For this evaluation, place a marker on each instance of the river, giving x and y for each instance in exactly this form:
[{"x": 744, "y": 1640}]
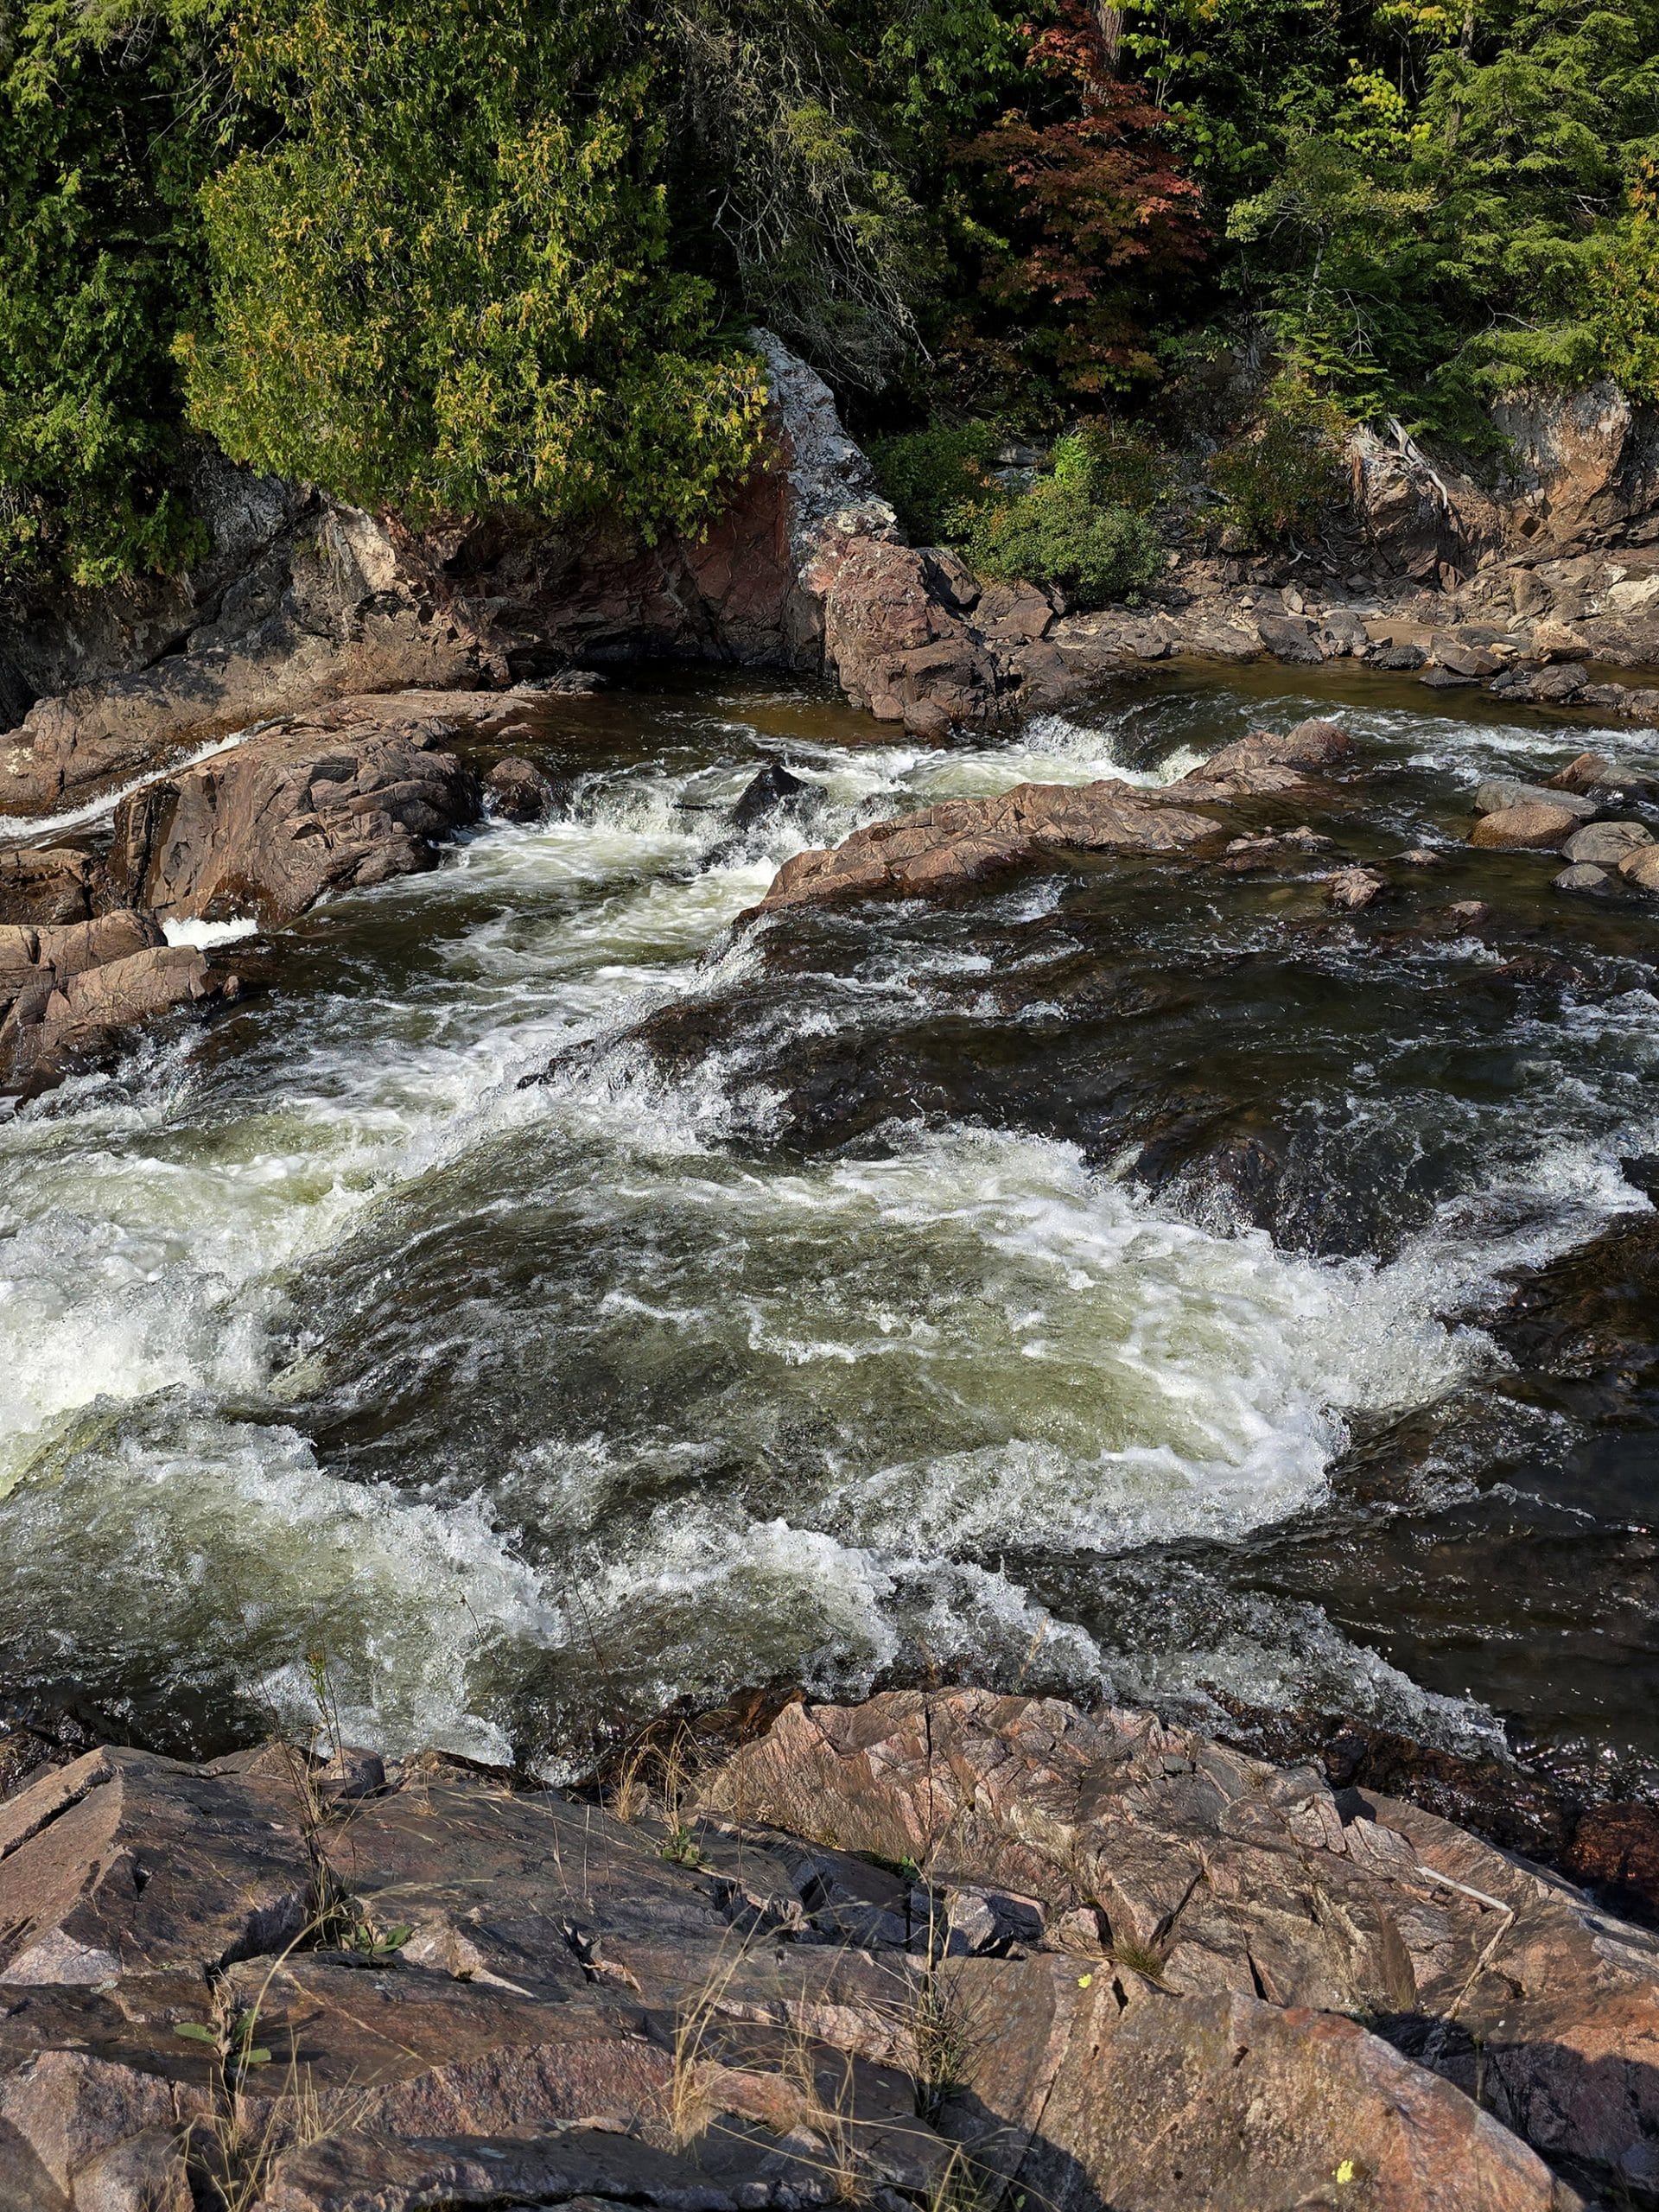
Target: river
[{"x": 1080, "y": 1286}]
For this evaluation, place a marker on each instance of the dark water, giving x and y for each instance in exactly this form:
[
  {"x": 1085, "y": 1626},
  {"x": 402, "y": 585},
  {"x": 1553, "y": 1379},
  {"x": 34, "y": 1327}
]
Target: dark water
[{"x": 1096, "y": 1282}]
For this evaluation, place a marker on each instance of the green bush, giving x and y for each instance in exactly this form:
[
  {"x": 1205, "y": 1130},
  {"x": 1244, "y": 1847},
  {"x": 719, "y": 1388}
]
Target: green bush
[
  {"x": 1126, "y": 469},
  {"x": 1277, "y": 482},
  {"x": 1059, "y": 533},
  {"x": 933, "y": 475}
]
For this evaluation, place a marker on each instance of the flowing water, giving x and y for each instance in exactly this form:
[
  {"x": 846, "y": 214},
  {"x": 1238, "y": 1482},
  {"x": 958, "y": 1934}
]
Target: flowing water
[{"x": 1082, "y": 1284}]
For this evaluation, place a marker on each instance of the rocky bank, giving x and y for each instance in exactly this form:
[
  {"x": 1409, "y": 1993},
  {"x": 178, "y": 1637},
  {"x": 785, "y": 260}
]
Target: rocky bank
[{"x": 941, "y": 1949}]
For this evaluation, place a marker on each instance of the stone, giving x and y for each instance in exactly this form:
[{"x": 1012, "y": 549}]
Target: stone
[
  {"x": 1530, "y": 828},
  {"x": 1444, "y": 679},
  {"x": 517, "y": 790},
  {"x": 351, "y": 796},
  {"x": 1312, "y": 744},
  {"x": 1593, "y": 774},
  {"x": 1236, "y": 1881},
  {"x": 1392, "y": 657},
  {"x": 774, "y": 788},
  {"x": 1421, "y": 856},
  {"x": 1466, "y": 913},
  {"x": 962, "y": 840},
  {"x": 1501, "y": 791},
  {"x": 1557, "y": 686},
  {"x": 1351, "y": 888},
  {"x": 1290, "y": 638},
  {"x": 1604, "y": 844},
  {"x": 1461, "y": 656},
  {"x": 68, "y": 993},
  {"x": 1559, "y": 641},
  {"x": 1641, "y": 869},
  {"x": 53, "y": 884},
  {"x": 895, "y": 641},
  {"x": 1582, "y": 877}
]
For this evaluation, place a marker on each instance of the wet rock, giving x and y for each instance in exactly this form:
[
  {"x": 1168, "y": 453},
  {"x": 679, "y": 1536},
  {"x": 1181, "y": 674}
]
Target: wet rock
[
  {"x": 1467, "y": 913},
  {"x": 1444, "y": 679},
  {"x": 1461, "y": 657},
  {"x": 1594, "y": 775},
  {"x": 1501, "y": 791},
  {"x": 1392, "y": 657},
  {"x": 1311, "y": 744},
  {"x": 69, "y": 994},
  {"x": 351, "y": 797},
  {"x": 1604, "y": 844},
  {"x": 53, "y": 884},
  {"x": 771, "y": 789},
  {"x": 962, "y": 840},
  {"x": 1530, "y": 828},
  {"x": 1421, "y": 856},
  {"x": 1351, "y": 888},
  {"x": 1581, "y": 878},
  {"x": 517, "y": 790},
  {"x": 1615, "y": 1850},
  {"x": 1595, "y": 1308},
  {"x": 1641, "y": 869}
]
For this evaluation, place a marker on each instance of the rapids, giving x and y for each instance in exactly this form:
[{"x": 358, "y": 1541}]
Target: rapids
[{"x": 856, "y": 1299}]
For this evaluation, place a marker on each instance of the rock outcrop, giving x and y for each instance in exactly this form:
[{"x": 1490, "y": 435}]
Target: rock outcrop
[
  {"x": 352, "y": 796},
  {"x": 65, "y": 992},
  {"x": 304, "y": 599},
  {"x": 937, "y": 1947}
]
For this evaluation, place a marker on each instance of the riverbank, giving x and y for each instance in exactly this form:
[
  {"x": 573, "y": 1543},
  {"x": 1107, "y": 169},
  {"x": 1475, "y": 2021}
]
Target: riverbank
[{"x": 941, "y": 1949}]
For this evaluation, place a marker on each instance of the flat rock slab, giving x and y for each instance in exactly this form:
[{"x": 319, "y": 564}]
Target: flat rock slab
[
  {"x": 1073, "y": 1961},
  {"x": 961, "y": 842}
]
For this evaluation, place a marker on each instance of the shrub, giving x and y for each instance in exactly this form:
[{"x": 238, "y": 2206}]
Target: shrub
[
  {"x": 1059, "y": 533},
  {"x": 1126, "y": 469},
  {"x": 932, "y": 475},
  {"x": 1277, "y": 482}
]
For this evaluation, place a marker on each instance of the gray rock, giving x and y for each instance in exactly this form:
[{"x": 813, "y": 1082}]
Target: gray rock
[
  {"x": 1603, "y": 844},
  {"x": 1290, "y": 638},
  {"x": 1385, "y": 656},
  {"x": 1581, "y": 877},
  {"x": 1499, "y": 793}
]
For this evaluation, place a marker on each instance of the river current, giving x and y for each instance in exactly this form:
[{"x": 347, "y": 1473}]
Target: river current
[{"x": 880, "y": 1294}]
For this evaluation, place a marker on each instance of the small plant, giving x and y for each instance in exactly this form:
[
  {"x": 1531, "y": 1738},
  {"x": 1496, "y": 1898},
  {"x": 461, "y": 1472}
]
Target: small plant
[
  {"x": 1276, "y": 483},
  {"x": 1140, "y": 1958},
  {"x": 930, "y": 474},
  {"x": 680, "y": 1846},
  {"x": 1059, "y": 532},
  {"x": 232, "y": 2038}
]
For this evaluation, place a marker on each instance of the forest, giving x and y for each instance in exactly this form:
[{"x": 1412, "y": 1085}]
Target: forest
[{"x": 504, "y": 254}]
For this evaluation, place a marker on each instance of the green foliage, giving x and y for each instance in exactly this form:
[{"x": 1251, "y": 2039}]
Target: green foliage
[
  {"x": 1277, "y": 481},
  {"x": 931, "y": 474},
  {"x": 1061, "y": 532},
  {"x": 1624, "y": 317},
  {"x": 443, "y": 282},
  {"x": 1126, "y": 467},
  {"x": 103, "y": 143}
]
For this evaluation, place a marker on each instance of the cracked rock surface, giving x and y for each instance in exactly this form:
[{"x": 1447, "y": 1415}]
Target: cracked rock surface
[{"x": 940, "y": 1947}]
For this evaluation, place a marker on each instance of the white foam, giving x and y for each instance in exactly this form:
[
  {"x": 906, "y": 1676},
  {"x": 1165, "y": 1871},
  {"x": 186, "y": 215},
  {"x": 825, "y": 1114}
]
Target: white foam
[{"x": 205, "y": 935}]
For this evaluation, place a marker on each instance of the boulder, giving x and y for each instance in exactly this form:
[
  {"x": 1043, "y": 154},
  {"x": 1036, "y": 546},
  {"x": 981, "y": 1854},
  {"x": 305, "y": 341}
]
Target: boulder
[
  {"x": 1290, "y": 638},
  {"x": 53, "y": 884},
  {"x": 1353, "y": 887},
  {"x": 766, "y": 792},
  {"x": 1581, "y": 877},
  {"x": 1642, "y": 868},
  {"x": 1399, "y": 657},
  {"x": 1501, "y": 791},
  {"x": 961, "y": 842},
  {"x": 69, "y": 993},
  {"x": 893, "y": 636},
  {"x": 517, "y": 790},
  {"x": 1558, "y": 641},
  {"x": 1532, "y": 827},
  {"x": 350, "y": 796},
  {"x": 1312, "y": 744},
  {"x": 1604, "y": 844}
]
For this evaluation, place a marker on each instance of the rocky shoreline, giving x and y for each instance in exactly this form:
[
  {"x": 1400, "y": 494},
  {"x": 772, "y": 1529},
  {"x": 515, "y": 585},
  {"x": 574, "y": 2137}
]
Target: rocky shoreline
[{"x": 943, "y": 1948}]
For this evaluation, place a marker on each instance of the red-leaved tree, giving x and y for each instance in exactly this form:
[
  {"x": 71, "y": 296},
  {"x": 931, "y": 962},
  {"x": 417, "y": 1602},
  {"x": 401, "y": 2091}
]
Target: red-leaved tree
[{"x": 1102, "y": 210}]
